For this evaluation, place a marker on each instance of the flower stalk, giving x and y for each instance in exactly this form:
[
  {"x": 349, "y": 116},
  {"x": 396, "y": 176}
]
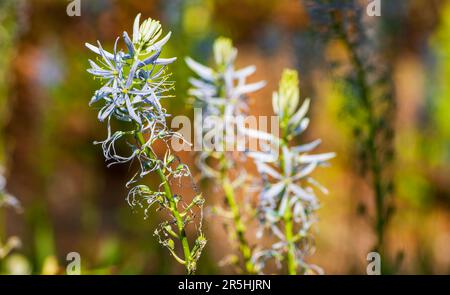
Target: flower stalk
[
  {"x": 239, "y": 226},
  {"x": 288, "y": 204},
  {"x": 134, "y": 83},
  {"x": 221, "y": 92}
]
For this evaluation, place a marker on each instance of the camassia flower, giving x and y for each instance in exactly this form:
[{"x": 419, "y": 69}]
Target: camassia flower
[
  {"x": 133, "y": 83},
  {"x": 288, "y": 204},
  {"x": 221, "y": 92}
]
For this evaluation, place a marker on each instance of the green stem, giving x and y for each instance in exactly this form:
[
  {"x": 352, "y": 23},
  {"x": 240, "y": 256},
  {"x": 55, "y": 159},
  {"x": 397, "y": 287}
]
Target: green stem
[
  {"x": 238, "y": 225},
  {"x": 287, "y": 219},
  {"x": 289, "y": 232},
  {"x": 190, "y": 267}
]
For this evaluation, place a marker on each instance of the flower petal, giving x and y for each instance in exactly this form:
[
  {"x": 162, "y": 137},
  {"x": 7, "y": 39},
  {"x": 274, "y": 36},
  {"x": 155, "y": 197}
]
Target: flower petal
[
  {"x": 204, "y": 72},
  {"x": 136, "y": 28}
]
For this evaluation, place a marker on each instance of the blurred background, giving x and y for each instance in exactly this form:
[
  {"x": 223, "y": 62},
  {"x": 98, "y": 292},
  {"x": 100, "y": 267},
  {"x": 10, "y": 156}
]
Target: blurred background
[{"x": 72, "y": 202}]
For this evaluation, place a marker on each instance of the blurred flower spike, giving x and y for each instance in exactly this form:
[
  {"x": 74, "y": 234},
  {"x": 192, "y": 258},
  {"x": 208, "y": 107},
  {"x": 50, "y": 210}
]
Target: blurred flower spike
[{"x": 221, "y": 91}]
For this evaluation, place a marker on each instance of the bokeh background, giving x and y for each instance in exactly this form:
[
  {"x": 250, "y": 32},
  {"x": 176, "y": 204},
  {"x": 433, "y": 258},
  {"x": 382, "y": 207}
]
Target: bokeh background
[{"x": 72, "y": 202}]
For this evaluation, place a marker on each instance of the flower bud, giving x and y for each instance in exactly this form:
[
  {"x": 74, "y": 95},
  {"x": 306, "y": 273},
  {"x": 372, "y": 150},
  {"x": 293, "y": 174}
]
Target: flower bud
[
  {"x": 224, "y": 52},
  {"x": 149, "y": 31},
  {"x": 285, "y": 101}
]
